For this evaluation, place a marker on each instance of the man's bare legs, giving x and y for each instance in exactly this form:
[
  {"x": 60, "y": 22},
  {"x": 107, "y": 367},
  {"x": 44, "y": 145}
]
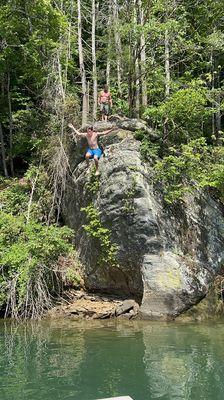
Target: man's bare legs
[
  {"x": 104, "y": 117},
  {"x": 87, "y": 157},
  {"x": 96, "y": 159}
]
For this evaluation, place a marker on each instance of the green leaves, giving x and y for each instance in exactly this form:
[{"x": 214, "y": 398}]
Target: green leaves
[
  {"x": 29, "y": 255},
  {"x": 96, "y": 230},
  {"x": 195, "y": 165},
  {"x": 31, "y": 34},
  {"x": 30, "y": 252},
  {"x": 15, "y": 195},
  {"x": 185, "y": 112}
]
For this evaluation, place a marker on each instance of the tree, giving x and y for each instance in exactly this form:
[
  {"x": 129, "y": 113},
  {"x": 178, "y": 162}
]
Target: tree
[
  {"x": 3, "y": 152},
  {"x": 117, "y": 43},
  {"x": 82, "y": 67},
  {"x": 94, "y": 59},
  {"x": 144, "y": 98}
]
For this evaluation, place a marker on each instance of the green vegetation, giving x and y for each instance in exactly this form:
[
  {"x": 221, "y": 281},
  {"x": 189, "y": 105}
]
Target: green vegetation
[
  {"x": 95, "y": 229},
  {"x": 34, "y": 256},
  {"x": 185, "y": 112},
  {"x": 93, "y": 183},
  {"x": 164, "y": 62},
  {"x": 190, "y": 166},
  {"x": 30, "y": 274},
  {"x": 15, "y": 194}
]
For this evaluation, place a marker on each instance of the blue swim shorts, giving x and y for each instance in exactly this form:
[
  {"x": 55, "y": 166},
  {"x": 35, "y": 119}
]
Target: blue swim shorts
[{"x": 95, "y": 152}]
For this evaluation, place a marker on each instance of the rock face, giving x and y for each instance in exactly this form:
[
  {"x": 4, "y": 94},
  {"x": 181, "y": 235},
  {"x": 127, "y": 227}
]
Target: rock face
[{"x": 167, "y": 256}]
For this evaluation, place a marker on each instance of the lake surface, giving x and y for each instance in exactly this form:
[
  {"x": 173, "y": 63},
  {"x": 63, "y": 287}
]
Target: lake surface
[{"x": 64, "y": 359}]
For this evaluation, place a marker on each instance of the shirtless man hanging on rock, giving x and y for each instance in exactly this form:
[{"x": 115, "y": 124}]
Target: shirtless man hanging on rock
[{"x": 93, "y": 150}]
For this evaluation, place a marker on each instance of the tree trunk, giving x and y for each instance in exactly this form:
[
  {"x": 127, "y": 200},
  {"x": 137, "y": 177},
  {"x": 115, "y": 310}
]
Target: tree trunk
[
  {"x": 117, "y": 43},
  {"x": 131, "y": 64},
  {"x": 82, "y": 67},
  {"x": 108, "y": 71},
  {"x": 68, "y": 43},
  {"x": 212, "y": 88},
  {"x": 136, "y": 58},
  {"x": 218, "y": 114},
  {"x": 3, "y": 152},
  {"x": 94, "y": 60},
  {"x": 131, "y": 78},
  {"x": 137, "y": 87},
  {"x": 167, "y": 83},
  {"x": 87, "y": 98},
  {"x": 109, "y": 48},
  {"x": 144, "y": 99},
  {"x": 60, "y": 77},
  {"x": 10, "y": 126},
  {"x": 28, "y": 19},
  {"x": 167, "y": 65}
]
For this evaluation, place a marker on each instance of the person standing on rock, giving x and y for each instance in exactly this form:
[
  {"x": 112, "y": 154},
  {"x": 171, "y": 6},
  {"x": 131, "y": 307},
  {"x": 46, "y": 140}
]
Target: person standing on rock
[
  {"x": 105, "y": 103},
  {"x": 93, "y": 151}
]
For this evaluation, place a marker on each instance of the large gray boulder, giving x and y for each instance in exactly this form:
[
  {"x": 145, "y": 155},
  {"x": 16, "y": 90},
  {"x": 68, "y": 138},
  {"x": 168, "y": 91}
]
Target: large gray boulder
[
  {"x": 128, "y": 124},
  {"x": 167, "y": 256}
]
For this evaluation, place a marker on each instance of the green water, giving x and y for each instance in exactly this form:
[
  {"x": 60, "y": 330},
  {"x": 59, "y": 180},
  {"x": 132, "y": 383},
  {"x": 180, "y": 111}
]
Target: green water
[{"x": 86, "y": 361}]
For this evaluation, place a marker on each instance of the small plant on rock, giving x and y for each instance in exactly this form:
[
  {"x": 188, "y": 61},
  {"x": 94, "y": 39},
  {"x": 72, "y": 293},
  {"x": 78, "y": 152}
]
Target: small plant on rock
[{"x": 95, "y": 229}]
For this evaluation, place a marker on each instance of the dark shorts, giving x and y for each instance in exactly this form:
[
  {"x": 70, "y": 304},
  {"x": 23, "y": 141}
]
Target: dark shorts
[
  {"x": 105, "y": 108},
  {"x": 95, "y": 152}
]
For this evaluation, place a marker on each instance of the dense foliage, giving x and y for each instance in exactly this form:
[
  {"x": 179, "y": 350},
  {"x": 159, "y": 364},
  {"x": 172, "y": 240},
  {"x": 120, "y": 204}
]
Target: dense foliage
[
  {"x": 36, "y": 259},
  {"x": 194, "y": 165},
  {"x": 29, "y": 258},
  {"x": 163, "y": 61}
]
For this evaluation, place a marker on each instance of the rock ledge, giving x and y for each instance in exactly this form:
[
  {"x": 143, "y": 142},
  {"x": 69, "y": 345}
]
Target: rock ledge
[{"x": 92, "y": 306}]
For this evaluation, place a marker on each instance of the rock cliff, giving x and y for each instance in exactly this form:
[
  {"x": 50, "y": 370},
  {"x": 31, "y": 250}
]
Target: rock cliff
[{"x": 166, "y": 256}]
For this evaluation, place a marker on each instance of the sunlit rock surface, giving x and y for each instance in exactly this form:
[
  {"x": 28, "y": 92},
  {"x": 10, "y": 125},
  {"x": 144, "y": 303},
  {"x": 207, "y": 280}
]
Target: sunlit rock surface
[{"x": 167, "y": 255}]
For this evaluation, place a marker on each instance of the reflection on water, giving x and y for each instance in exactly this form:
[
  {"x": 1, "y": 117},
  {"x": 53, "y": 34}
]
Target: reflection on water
[
  {"x": 184, "y": 362},
  {"x": 89, "y": 360}
]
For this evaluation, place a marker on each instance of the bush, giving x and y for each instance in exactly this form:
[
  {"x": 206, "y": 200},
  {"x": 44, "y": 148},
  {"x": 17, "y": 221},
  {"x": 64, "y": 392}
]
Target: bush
[
  {"x": 30, "y": 274},
  {"x": 95, "y": 229},
  {"x": 15, "y": 194},
  {"x": 185, "y": 113},
  {"x": 193, "y": 165}
]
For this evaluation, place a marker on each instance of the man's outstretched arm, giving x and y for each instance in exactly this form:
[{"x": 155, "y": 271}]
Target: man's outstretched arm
[
  {"x": 77, "y": 133},
  {"x": 106, "y": 132}
]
